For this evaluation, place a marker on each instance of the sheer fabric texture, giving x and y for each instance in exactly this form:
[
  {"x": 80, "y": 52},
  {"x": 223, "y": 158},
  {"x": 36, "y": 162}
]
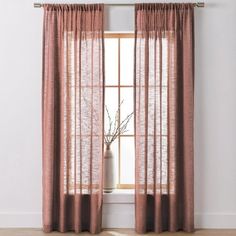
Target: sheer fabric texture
[
  {"x": 73, "y": 101},
  {"x": 164, "y": 73}
]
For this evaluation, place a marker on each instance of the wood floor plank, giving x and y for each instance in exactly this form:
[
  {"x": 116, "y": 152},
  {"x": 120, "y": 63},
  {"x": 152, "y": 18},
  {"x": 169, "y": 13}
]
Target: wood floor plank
[{"x": 115, "y": 232}]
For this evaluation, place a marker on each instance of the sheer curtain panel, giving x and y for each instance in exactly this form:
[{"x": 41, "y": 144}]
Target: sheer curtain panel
[
  {"x": 73, "y": 101},
  {"x": 164, "y": 71}
]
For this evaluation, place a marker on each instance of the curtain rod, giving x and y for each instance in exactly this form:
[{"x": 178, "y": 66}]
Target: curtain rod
[{"x": 197, "y": 4}]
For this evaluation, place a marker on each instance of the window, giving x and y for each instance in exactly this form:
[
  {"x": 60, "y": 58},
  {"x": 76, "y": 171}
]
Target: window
[{"x": 119, "y": 86}]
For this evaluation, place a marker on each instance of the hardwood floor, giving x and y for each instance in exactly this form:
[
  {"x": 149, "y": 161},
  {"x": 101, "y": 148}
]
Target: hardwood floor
[{"x": 115, "y": 232}]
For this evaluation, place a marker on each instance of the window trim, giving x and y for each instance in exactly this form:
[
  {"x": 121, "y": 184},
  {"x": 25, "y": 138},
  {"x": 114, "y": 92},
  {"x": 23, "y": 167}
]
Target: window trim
[{"x": 120, "y": 36}]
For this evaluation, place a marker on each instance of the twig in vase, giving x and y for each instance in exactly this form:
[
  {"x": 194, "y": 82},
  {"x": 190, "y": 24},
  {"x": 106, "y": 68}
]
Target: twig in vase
[{"x": 115, "y": 128}]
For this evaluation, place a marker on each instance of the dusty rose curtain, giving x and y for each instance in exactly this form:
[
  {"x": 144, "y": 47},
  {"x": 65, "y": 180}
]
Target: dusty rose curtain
[
  {"x": 73, "y": 97},
  {"x": 164, "y": 71}
]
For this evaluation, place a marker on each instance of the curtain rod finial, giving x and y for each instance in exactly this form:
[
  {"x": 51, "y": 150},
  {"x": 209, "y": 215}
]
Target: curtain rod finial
[
  {"x": 37, "y": 5},
  {"x": 200, "y": 4}
]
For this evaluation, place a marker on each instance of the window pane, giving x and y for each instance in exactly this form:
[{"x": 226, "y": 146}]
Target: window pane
[
  {"x": 126, "y": 61},
  {"x": 126, "y": 94},
  {"x": 111, "y": 61},
  {"x": 164, "y": 161},
  {"x": 164, "y": 110},
  {"x": 111, "y": 101},
  {"x": 127, "y": 172},
  {"x": 164, "y": 61}
]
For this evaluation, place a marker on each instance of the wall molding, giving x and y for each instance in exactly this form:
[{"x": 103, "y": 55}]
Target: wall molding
[{"x": 117, "y": 219}]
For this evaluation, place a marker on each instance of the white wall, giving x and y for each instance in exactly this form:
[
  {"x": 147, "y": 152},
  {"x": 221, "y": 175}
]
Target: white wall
[
  {"x": 215, "y": 115},
  {"x": 20, "y": 120}
]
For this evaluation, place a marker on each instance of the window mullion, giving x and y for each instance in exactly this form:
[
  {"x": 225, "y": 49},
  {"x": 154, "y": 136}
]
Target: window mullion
[{"x": 119, "y": 151}]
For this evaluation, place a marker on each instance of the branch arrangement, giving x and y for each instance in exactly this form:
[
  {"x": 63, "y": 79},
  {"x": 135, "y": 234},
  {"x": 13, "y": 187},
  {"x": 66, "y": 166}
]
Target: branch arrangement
[{"x": 116, "y": 128}]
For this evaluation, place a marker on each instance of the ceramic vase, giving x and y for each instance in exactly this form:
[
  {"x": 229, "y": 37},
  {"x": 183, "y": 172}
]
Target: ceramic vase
[{"x": 109, "y": 172}]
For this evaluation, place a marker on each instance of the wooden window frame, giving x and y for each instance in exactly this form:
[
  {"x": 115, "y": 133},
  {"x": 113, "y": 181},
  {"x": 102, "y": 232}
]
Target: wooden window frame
[{"x": 119, "y": 86}]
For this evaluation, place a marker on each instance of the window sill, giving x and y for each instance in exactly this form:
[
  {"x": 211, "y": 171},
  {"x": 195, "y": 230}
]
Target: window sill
[{"x": 125, "y": 196}]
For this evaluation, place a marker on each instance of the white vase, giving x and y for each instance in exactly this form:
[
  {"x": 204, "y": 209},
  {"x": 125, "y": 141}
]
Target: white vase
[{"x": 109, "y": 171}]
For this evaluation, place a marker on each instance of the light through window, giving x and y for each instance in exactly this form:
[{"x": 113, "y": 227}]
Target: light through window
[{"x": 119, "y": 86}]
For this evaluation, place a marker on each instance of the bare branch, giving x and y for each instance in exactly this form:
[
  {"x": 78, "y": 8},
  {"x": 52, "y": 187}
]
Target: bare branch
[
  {"x": 122, "y": 127},
  {"x": 110, "y": 124},
  {"x": 116, "y": 128}
]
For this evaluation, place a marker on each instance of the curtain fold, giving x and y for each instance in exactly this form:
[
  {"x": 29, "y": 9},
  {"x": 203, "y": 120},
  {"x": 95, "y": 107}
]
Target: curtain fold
[
  {"x": 164, "y": 80},
  {"x": 73, "y": 104}
]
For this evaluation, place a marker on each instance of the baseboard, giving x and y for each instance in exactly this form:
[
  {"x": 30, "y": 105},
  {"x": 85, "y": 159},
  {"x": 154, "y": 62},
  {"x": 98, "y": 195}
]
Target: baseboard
[
  {"x": 117, "y": 220},
  {"x": 215, "y": 220}
]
